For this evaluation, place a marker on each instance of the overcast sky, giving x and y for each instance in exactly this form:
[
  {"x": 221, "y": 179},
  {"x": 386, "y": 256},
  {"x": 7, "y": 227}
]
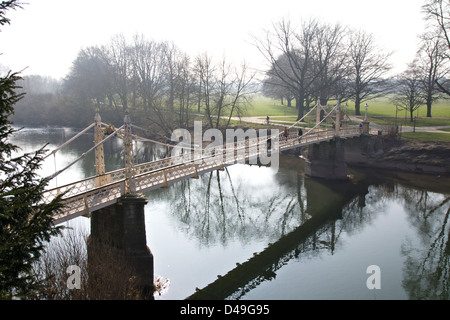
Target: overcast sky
[{"x": 46, "y": 35}]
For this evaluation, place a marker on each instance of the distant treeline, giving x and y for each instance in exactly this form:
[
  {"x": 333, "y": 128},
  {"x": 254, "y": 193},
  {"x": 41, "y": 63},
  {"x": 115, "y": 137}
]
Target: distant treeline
[
  {"x": 153, "y": 79},
  {"x": 47, "y": 104}
]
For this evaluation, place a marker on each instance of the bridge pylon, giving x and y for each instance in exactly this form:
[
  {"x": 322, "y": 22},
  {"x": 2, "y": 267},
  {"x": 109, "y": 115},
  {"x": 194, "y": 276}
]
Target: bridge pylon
[
  {"x": 338, "y": 120},
  {"x": 130, "y": 189},
  {"x": 99, "y": 153}
]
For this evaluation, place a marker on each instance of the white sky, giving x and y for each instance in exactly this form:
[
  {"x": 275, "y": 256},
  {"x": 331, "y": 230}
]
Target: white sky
[{"x": 46, "y": 36}]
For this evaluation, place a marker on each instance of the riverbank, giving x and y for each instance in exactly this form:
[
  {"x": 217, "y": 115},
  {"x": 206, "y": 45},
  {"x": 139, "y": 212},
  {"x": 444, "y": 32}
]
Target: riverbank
[
  {"x": 391, "y": 153},
  {"x": 388, "y": 152}
]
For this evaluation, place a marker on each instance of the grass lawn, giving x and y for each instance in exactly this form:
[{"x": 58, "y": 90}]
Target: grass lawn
[
  {"x": 384, "y": 107},
  {"x": 426, "y": 136},
  {"x": 262, "y": 106},
  {"x": 421, "y": 122}
]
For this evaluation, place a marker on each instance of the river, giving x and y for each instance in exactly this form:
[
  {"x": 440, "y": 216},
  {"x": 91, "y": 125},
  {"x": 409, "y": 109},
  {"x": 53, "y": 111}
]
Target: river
[{"x": 226, "y": 223}]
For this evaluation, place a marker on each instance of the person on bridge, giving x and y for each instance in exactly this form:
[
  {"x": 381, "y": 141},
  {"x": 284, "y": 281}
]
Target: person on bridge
[
  {"x": 286, "y": 133},
  {"x": 300, "y": 132}
]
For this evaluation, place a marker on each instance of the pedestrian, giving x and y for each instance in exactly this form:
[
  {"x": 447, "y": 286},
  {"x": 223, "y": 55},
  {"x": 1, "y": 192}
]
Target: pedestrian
[
  {"x": 267, "y": 119},
  {"x": 286, "y": 133},
  {"x": 300, "y": 132}
]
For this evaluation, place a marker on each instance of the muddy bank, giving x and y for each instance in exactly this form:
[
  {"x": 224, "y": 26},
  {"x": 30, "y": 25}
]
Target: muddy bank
[
  {"x": 386, "y": 152},
  {"x": 390, "y": 153}
]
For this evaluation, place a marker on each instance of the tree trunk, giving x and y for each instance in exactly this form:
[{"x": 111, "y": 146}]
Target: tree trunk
[
  {"x": 429, "y": 103},
  {"x": 357, "y": 105},
  {"x": 299, "y": 101}
]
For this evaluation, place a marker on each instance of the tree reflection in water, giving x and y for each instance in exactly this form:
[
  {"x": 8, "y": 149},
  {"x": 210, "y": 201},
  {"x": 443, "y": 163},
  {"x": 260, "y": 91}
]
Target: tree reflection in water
[
  {"x": 218, "y": 208},
  {"x": 427, "y": 270}
]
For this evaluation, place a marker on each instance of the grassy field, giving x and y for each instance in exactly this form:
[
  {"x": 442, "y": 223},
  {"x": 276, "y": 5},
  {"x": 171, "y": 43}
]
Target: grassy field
[
  {"x": 383, "y": 107},
  {"x": 420, "y": 122},
  {"x": 262, "y": 106},
  {"x": 380, "y": 111}
]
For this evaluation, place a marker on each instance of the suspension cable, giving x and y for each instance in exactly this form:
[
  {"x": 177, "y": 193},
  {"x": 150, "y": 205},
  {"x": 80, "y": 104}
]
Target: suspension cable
[
  {"x": 304, "y": 115},
  {"x": 84, "y": 154},
  {"x": 324, "y": 118},
  {"x": 69, "y": 141}
]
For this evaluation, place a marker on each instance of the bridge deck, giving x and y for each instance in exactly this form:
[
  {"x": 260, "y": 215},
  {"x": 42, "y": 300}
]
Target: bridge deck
[{"x": 94, "y": 193}]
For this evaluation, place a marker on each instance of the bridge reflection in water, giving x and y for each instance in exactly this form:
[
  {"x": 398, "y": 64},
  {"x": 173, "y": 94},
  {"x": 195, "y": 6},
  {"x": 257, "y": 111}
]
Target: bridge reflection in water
[
  {"x": 303, "y": 226},
  {"x": 319, "y": 217}
]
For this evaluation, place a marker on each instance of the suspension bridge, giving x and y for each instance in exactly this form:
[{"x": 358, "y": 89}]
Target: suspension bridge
[{"x": 105, "y": 188}]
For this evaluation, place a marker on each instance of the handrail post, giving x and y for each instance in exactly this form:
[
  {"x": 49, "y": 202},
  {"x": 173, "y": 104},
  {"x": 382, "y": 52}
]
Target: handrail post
[{"x": 130, "y": 189}]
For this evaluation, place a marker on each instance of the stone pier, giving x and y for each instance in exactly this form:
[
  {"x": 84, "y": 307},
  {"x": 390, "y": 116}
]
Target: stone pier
[
  {"x": 119, "y": 232},
  {"x": 326, "y": 160}
]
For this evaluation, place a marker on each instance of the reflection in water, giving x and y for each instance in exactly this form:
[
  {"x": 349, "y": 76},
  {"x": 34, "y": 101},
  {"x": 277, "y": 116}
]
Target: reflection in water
[
  {"x": 246, "y": 205},
  {"x": 427, "y": 269},
  {"x": 312, "y": 238}
]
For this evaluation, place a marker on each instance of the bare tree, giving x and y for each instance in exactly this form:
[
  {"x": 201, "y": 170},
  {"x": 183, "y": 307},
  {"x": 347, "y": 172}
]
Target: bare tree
[
  {"x": 180, "y": 84},
  {"x": 241, "y": 93},
  {"x": 330, "y": 61},
  {"x": 225, "y": 89},
  {"x": 149, "y": 64},
  {"x": 204, "y": 71},
  {"x": 184, "y": 89},
  {"x": 438, "y": 13},
  {"x": 410, "y": 95},
  {"x": 290, "y": 56},
  {"x": 90, "y": 76},
  {"x": 118, "y": 55},
  {"x": 309, "y": 62},
  {"x": 368, "y": 64},
  {"x": 273, "y": 87},
  {"x": 431, "y": 65}
]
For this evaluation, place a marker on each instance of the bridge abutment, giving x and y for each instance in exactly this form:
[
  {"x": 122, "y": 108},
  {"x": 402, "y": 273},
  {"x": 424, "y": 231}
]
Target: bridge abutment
[
  {"x": 118, "y": 235},
  {"x": 326, "y": 160}
]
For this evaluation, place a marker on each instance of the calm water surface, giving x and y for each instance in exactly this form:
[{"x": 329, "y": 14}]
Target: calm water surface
[{"x": 317, "y": 238}]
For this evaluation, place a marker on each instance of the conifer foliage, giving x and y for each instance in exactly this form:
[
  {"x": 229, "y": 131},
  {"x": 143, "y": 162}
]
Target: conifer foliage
[{"x": 26, "y": 223}]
